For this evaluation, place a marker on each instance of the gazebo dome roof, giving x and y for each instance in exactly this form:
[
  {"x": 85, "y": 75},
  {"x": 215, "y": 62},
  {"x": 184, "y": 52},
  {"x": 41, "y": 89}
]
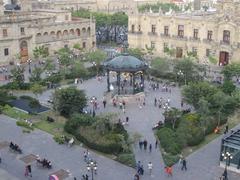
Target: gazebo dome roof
[{"x": 125, "y": 63}]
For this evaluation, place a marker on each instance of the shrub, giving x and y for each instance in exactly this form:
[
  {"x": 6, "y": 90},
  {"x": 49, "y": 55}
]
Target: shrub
[
  {"x": 82, "y": 119},
  {"x": 168, "y": 140},
  {"x": 170, "y": 159},
  {"x": 59, "y": 139},
  {"x": 24, "y": 124},
  {"x": 127, "y": 159}
]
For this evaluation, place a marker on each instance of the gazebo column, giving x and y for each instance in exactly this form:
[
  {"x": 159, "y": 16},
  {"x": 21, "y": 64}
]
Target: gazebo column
[
  {"x": 131, "y": 79},
  {"x": 118, "y": 82},
  {"x": 133, "y": 82},
  {"x": 108, "y": 81}
]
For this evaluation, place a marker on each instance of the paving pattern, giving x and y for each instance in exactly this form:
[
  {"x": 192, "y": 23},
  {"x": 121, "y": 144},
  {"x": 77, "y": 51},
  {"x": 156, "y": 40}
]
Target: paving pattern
[{"x": 202, "y": 165}]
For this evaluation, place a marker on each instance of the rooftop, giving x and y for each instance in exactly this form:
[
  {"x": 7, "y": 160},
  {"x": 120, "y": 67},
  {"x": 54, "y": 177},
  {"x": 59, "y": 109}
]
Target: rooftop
[{"x": 233, "y": 140}]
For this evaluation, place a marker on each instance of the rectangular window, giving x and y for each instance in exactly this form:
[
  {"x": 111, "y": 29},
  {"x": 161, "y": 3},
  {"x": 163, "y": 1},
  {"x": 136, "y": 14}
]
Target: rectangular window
[
  {"x": 180, "y": 31},
  {"x": 226, "y": 36},
  {"x": 5, "y": 33},
  {"x": 22, "y": 30},
  {"x": 66, "y": 17},
  {"x": 165, "y": 47},
  {"x": 208, "y": 52},
  {"x": 209, "y": 35},
  {"x": 195, "y": 33},
  {"x": 133, "y": 28},
  {"x": 139, "y": 28},
  {"x": 194, "y": 51},
  {"x": 166, "y": 28},
  {"x": 153, "y": 44},
  {"x": 6, "y": 52},
  {"x": 153, "y": 29}
]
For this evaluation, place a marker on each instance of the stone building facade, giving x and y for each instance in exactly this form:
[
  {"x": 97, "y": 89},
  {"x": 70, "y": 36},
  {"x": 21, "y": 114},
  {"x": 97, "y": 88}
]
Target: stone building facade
[
  {"x": 206, "y": 34},
  {"x": 22, "y": 31}
]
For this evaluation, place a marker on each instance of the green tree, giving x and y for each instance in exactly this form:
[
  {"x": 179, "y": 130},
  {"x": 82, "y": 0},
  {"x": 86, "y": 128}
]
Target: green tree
[
  {"x": 96, "y": 57},
  {"x": 69, "y": 100},
  {"x": 203, "y": 110},
  {"x": 40, "y": 52},
  {"x": 231, "y": 70},
  {"x": 138, "y": 53},
  {"x": 228, "y": 87},
  {"x": 36, "y": 89},
  {"x": 64, "y": 56},
  {"x": 160, "y": 65},
  {"x": 187, "y": 71},
  {"x": 36, "y": 74},
  {"x": 172, "y": 117},
  {"x": 17, "y": 75},
  {"x": 195, "y": 91}
]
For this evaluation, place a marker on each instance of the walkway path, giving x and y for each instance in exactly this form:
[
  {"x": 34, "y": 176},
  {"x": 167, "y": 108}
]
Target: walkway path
[
  {"x": 203, "y": 164},
  {"x": 41, "y": 143}
]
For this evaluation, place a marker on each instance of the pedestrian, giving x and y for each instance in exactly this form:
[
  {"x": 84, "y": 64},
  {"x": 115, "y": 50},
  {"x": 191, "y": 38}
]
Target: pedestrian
[
  {"x": 180, "y": 160},
  {"x": 141, "y": 170},
  {"x": 76, "y": 178},
  {"x": 182, "y": 103},
  {"x": 226, "y": 129},
  {"x": 138, "y": 165},
  {"x": 184, "y": 164},
  {"x": 170, "y": 171},
  {"x": 85, "y": 156},
  {"x": 26, "y": 171},
  {"x": 150, "y": 167},
  {"x": 155, "y": 102},
  {"x": 136, "y": 177},
  {"x": 29, "y": 170},
  {"x": 156, "y": 144},
  {"x": 145, "y": 144},
  {"x": 86, "y": 177},
  {"x": 127, "y": 119},
  {"x": 104, "y": 103},
  {"x": 150, "y": 148},
  {"x": 140, "y": 145}
]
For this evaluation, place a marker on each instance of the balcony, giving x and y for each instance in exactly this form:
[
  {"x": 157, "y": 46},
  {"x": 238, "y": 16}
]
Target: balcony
[
  {"x": 226, "y": 43},
  {"x": 165, "y": 35},
  {"x": 194, "y": 39},
  {"x": 152, "y": 34},
  {"x": 183, "y": 38}
]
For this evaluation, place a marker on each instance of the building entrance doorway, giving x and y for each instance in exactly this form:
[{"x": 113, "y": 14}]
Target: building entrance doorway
[
  {"x": 179, "y": 52},
  {"x": 23, "y": 52},
  {"x": 223, "y": 58}
]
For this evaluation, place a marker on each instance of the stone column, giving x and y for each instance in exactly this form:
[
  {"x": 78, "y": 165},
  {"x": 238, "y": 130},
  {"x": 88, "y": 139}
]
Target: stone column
[
  {"x": 133, "y": 77},
  {"x": 118, "y": 82}
]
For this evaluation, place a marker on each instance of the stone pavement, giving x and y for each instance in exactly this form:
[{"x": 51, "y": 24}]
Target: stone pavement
[
  {"x": 202, "y": 165},
  {"x": 62, "y": 157}
]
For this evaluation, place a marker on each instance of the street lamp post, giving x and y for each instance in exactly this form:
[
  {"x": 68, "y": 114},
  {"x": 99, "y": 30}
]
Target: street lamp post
[
  {"x": 29, "y": 65},
  {"x": 92, "y": 165},
  {"x": 180, "y": 73},
  {"x": 227, "y": 157}
]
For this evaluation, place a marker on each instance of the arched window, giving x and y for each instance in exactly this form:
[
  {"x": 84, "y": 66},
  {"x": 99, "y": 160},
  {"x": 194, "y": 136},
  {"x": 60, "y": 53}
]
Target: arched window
[
  {"x": 71, "y": 31},
  {"x": 78, "y": 32},
  {"x": 89, "y": 31},
  {"x": 65, "y": 33},
  {"x": 83, "y": 30},
  {"x": 59, "y": 34},
  {"x": 45, "y": 34},
  {"x": 226, "y": 36},
  {"x": 38, "y": 34},
  {"x": 84, "y": 45},
  {"x": 52, "y": 33}
]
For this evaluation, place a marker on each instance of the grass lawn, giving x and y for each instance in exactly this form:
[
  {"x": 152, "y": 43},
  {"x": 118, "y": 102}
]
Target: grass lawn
[{"x": 15, "y": 113}]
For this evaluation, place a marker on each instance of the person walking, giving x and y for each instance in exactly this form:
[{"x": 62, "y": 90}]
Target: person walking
[
  {"x": 155, "y": 102},
  {"x": 145, "y": 144},
  {"x": 140, "y": 144},
  {"x": 150, "y": 148},
  {"x": 170, "y": 171},
  {"x": 127, "y": 120},
  {"x": 86, "y": 177},
  {"x": 184, "y": 164},
  {"x": 156, "y": 144},
  {"x": 104, "y": 103},
  {"x": 150, "y": 167}
]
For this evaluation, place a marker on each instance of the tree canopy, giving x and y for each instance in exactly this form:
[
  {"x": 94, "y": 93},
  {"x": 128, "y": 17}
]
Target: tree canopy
[{"x": 69, "y": 100}]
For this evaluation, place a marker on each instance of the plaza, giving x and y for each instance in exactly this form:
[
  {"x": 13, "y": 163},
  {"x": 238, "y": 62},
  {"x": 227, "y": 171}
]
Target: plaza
[{"x": 203, "y": 164}]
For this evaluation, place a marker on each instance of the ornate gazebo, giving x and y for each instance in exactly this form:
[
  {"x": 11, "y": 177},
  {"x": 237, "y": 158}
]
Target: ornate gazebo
[{"x": 131, "y": 67}]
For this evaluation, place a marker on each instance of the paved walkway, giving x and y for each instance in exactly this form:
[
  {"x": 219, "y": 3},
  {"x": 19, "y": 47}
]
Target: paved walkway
[
  {"x": 62, "y": 157},
  {"x": 203, "y": 164}
]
